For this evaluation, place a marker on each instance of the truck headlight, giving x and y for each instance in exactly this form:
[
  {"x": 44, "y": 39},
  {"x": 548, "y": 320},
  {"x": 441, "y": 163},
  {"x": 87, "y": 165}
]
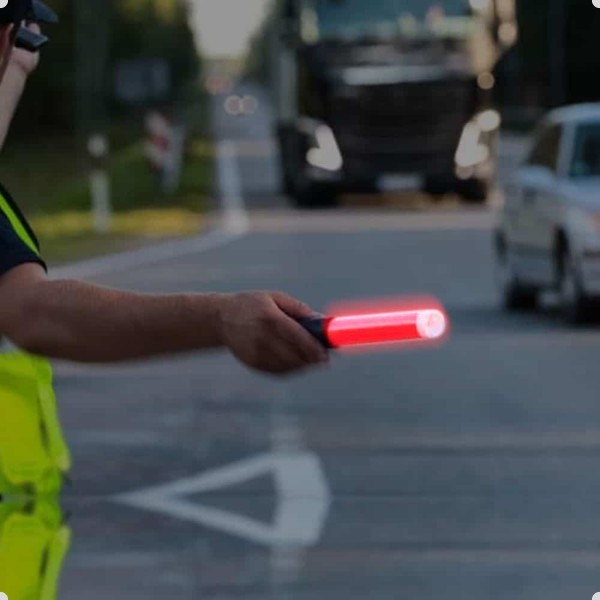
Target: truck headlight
[
  {"x": 324, "y": 152},
  {"x": 475, "y": 141}
]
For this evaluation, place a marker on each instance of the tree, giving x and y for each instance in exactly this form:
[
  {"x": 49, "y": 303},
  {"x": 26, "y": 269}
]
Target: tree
[{"x": 133, "y": 28}]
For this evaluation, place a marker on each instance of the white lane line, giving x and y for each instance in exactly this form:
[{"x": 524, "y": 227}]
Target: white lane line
[
  {"x": 144, "y": 256},
  {"x": 302, "y": 495},
  {"x": 234, "y": 214},
  {"x": 235, "y": 223}
]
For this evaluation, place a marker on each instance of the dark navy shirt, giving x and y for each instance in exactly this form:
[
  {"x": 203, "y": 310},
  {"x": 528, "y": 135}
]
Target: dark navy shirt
[{"x": 14, "y": 251}]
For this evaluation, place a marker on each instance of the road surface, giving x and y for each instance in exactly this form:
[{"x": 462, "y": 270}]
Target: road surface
[{"x": 471, "y": 471}]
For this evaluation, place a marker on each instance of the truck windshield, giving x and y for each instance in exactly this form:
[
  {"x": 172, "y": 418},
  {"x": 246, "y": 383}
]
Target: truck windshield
[{"x": 335, "y": 18}]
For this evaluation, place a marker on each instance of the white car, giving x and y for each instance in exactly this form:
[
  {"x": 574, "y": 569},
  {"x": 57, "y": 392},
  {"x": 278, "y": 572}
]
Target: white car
[{"x": 548, "y": 237}]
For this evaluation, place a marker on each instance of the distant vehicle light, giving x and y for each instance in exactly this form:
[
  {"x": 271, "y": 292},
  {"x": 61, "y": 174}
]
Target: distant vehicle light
[
  {"x": 234, "y": 106},
  {"x": 217, "y": 85},
  {"x": 486, "y": 81}
]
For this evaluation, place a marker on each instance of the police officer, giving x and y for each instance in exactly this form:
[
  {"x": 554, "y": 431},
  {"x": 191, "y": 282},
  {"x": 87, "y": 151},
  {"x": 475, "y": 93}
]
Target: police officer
[{"x": 81, "y": 322}]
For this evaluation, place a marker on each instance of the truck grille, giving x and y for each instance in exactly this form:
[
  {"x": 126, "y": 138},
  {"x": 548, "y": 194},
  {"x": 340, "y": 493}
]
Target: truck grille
[{"x": 408, "y": 127}]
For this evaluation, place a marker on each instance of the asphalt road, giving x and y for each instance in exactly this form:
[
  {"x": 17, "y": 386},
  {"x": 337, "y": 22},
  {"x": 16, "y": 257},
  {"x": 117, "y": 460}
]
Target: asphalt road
[{"x": 470, "y": 471}]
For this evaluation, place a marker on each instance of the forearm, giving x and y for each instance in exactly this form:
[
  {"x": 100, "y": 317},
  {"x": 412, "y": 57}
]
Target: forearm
[
  {"x": 86, "y": 323},
  {"x": 11, "y": 90}
]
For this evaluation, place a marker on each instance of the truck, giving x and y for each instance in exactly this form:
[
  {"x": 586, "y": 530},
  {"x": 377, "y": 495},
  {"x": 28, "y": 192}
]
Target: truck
[{"x": 387, "y": 94}]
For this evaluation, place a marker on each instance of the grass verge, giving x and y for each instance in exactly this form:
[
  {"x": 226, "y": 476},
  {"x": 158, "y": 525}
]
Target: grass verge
[{"x": 57, "y": 201}]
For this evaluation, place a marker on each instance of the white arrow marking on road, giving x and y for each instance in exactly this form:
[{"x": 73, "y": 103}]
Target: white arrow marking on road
[{"x": 303, "y": 499}]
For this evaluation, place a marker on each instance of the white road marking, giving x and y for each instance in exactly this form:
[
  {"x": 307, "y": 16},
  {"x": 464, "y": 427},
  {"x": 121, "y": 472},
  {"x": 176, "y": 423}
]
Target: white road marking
[
  {"x": 303, "y": 499},
  {"x": 234, "y": 214},
  {"x": 144, "y": 256},
  {"x": 235, "y": 224}
]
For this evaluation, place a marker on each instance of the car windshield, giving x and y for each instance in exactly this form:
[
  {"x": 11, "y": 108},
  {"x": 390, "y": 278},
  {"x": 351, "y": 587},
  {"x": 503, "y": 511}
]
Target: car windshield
[
  {"x": 333, "y": 18},
  {"x": 586, "y": 157}
]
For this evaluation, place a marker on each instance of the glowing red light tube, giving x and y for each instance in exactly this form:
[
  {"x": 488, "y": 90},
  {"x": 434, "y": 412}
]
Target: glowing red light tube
[{"x": 387, "y": 327}]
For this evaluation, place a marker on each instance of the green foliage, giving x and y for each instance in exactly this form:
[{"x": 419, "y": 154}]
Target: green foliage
[
  {"x": 577, "y": 34},
  {"x": 135, "y": 29}
]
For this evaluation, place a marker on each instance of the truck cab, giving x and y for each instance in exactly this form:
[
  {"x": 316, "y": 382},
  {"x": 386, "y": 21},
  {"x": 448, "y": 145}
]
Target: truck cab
[{"x": 388, "y": 94}]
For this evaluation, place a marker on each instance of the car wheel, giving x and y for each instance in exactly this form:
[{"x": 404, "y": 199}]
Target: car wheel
[
  {"x": 437, "y": 186},
  {"x": 574, "y": 304},
  {"x": 513, "y": 295},
  {"x": 309, "y": 194}
]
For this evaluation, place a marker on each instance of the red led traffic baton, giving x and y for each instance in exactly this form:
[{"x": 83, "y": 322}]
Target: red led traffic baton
[{"x": 386, "y": 327}]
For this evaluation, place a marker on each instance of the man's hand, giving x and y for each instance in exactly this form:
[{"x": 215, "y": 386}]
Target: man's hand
[
  {"x": 23, "y": 62},
  {"x": 19, "y": 67},
  {"x": 261, "y": 330}
]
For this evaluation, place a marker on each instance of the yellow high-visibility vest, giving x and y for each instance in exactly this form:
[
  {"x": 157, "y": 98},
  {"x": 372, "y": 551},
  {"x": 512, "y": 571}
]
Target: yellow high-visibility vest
[
  {"x": 34, "y": 542},
  {"x": 33, "y": 454}
]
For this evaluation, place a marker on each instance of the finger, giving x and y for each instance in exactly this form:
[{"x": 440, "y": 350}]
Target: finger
[
  {"x": 297, "y": 337},
  {"x": 292, "y": 307}
]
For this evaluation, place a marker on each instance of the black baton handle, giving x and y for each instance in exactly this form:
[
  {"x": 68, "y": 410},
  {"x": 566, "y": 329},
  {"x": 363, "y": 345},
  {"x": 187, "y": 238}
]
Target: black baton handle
[
  {"x": 317, "y": 327},
  {"x": 30, "y": 41},
  {"x": 39, "y": 13}
]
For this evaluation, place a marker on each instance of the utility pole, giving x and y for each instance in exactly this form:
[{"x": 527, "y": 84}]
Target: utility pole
[{"x": 557, "y": 51}]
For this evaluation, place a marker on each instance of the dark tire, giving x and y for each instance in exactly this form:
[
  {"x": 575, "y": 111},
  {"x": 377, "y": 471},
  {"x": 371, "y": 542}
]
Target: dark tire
[
  {"x": 473, "y": 191},
  {"x": 575, "y": 305},
  {"x": 304, "y": 192},
  {"x": 514, "y": 296},
  {"x": 437, "y": 186},
  {"x": 310, "y": 194},
  {"x": 313, "y": 195}
]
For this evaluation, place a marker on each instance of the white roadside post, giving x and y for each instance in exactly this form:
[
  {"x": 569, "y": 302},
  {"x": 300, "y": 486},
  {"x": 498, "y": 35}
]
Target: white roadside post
[
  {"x": 234, "y": 216},
  {"x": 100, "y": 184},
  {"x": 174, "y": 159}
]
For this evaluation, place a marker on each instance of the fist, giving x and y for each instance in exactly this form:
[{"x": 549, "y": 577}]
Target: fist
[
  {"x": 261, "y": 331},
  {"x": 23, "y": 61}
]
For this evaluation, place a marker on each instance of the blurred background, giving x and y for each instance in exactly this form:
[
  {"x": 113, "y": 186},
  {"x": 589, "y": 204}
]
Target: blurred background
[
  {"x": 138, "y": 73},
  {"x": 339, "y": 150}
]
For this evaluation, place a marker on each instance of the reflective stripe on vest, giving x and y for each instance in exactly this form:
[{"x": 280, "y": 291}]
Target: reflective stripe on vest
[{"x": 33, "y": 453}]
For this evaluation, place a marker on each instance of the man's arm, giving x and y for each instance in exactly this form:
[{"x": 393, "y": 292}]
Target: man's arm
[{"x": 86, "y": 323}]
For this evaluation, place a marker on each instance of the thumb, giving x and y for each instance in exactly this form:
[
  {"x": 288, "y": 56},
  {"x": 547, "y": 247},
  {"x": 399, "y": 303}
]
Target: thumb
[{"x": 292, "y": 307}]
